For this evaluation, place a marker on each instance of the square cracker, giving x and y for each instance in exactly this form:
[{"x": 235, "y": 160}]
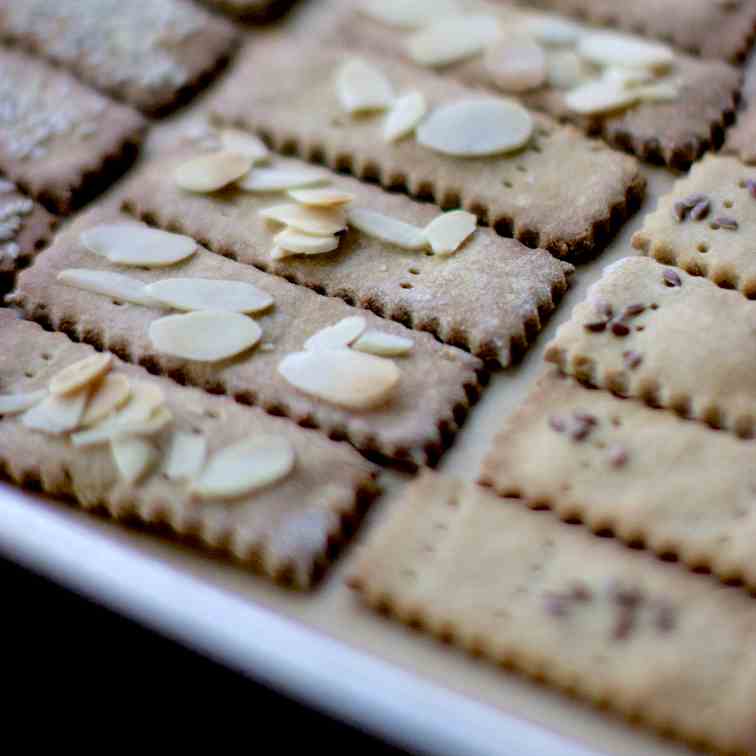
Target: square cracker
[
  {"x": 491, "y": 296},
  {"x": 286, "y": 531},
  {"x": 415, "y": 424},
  {"x": 696, "y": 343},
  {"x": 704, "y": 248},
  {"x": 645, "y": 474},
  {"x": 617, "y": 627},
  {"x": 285, "y": 91},
  {"x": 60, "y": 141},
  {"x": 151, "y": 54}
]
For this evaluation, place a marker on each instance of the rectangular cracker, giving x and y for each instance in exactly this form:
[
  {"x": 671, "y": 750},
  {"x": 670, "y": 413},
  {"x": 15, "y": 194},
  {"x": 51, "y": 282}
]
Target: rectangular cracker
[
  {"x": 741, "y": 138},
  {"x": 703, "y": 247},
  {"x": 695, "y": 341},
  {"x": 152, "y": 55},
  {"x": 285, "y": 91},
  {"x": 646, "y": 475},
  {"x": 710, "y": 29},
  {"x": 491, "y": 296},
  {"x": 60, "y": 141},
  {"x": 675, "y": 133},
  {"x": 414, "y": 425},
  {"x": 286, "y": 531},
  {"x": 615, "y": 626}
]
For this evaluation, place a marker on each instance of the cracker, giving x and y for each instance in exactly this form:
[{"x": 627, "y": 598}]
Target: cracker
[
  {"x": 722, "y": 30},
  {"x": 287, "y": 95},
  {"x": 697, "y": 347},
  {"x": 490, "y": 297},
  {"x": 60, "y": 141},
  {"x": 703, "y": 247},
  {"x": 615, "y": 626},
  {"x": 152, "y": 55},
  {"x": 646, "y": 475},
  {"x": 286, "y": 531},
  {"x": 741, "y": 138},
  {"x": 414, "y": 425}
]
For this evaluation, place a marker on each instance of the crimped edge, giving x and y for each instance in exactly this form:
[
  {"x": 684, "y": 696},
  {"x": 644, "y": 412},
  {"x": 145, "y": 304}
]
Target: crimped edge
[{"x": 262, "y": 13}]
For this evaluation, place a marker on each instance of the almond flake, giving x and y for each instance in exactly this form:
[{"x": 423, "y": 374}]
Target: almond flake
[
  {"x": 361, "y": 86},
  {"x": 553, "y": 30},
  {"x": 516, "y": 64},
  {"x": 321, "y": 197},
  {"x": 209, "y": 294},
  {"x": 404, "y": 116},
  {"x": 566, "y": 69},
  {"x": 112, "y": 392},
  {"x": 135, "y": 244},
  {"x": 339, "y": 335},
  {"x": 447, "y": 232},
  {"x": 80, "y": 374},
  {"x": 383, "y": 344},
  {"x": 244, "y": 143},
  {"x": 211, "y": 172},
  {"x": 207, "y": 336},
  {"x": 291, "y": 242},
  {"x": 12, "y": 404},
  {"x": 409, "y": 15},
  {"x": 281, "y": 179},
  {"x": 451, "y": 39},
  {"x": 341, "y": 376},
  {"x": 319, "y": 221},
  {"x": 613, "y": 49},
  {"x": 628, "y": 77},
  {"x": 476, "y": 128},
  {"x": 245, "y": 467},
  {"x": 117, "y": 286},
  {"x": 121, "y": 427},
  {"x": 600, "y": 97},
  {"x": 160, "y": 419},
  {"x": 387, "y": 229},
  {"x": 662, "y": 91},
  {"x": 186, "y": 455},
  {"x": 56, "y": 414},
  {"x": 133, "y": 457}
]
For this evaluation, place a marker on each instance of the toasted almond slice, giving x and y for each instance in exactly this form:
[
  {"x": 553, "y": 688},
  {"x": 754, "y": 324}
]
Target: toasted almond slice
[
  {"x": 119, "y": 427},
  {"x": 245, "y": 467},
  {"x": 516, "y": 63},
  {"x": 213, "y": 171},
  {"x": 115, "y": 285},
  {"x": 111, "y": 393},
  {"x": 12, "y": 404},
  {"x": 321, "y": 197},
  {"x": 476, "y": 128},
  {"x": 339, "y": 335},
  {"x": 404, "y": 116},
  {"x": 628, "y": 77},
  {"x": 387, "y": 229},
  {"x": 281, "y": 179},
  {"x": 662, "y": 91},
  {"x": 56, "y": 414},
  {"x": 320, "y": 221},
  {"x": 609, "y": 48},
  {"x": 451, "y": 39},
  {"x": 409, "y": 15},
  {"x": 134, "y": 244},
  {"x": 297, "y": 243},
  {"x": 566, "y": 69},
  {"x": 361, "y": 86},
  {"x": 383, "y": 344},
  {"x": 186, "y": 455},
  {"x": 80, "y": 374},
  {"x": 207, "y": 336},
  {"x": 448, "y": 231},
  {"x": 133, "y": 457},
  {"x": 209, "y": 294},
  {"x": 553, "y": 31},
  {"x": 341, "y": 376},
  {"x": 244, "y": 143},
  {"x": 600, "y": 97}
]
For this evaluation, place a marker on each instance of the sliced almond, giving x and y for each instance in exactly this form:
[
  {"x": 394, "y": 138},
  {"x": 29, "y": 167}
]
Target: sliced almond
[
  {"x": 80, "y": 374},
  {"x": 341, "y": 376},
  {"x": 135, "y": 244},
  {"x": 207, "y": 336},
  {"x": 628, "y": 77},
  {"x": 208, "y": 173},
  {"x": 321, "y": 197},
  {"x": 133, "y": 457},
  {"x": 447, "y": 232},
  {"x": 281, "y": 179},
  {"x": 476, "y": 128},
  {"x": 186, "y": 455},
  {"x": 245, "y": 467},
  {"x": 608, "y": 48},
  {"x": 451, "y": 39},
  {"x": 111, "y": 393},
  {"x": 56, "y": 414},
  {"x": 409, "y": 15},
  {"x": 209, "y": 294},
  {"x": 244, "y": 143},
  {"x": 383, "y": 344},
  {"x": 12, "y": 404},
  {"x": 600, "y": 97},
  {"x": 339, "y": 335},
  {"x": 566, "y": 69},
  {"x": 662, "y": 91},
  {"x": 120, "y": 427},
  {"x": 291, "y": 242},
  {"x": 404, "y": 116},
  {"x": 553, "y": 30},
  {"x": 387, "y": 229},
  {"x": 320, "y": 221},
  {"x": 516, "y": 63},
  {"x": 115, "y": 285},
  {"x": 360, "y": 86}
]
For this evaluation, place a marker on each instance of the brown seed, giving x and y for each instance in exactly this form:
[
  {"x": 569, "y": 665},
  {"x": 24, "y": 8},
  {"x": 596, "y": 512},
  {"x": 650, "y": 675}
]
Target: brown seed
[
  {"x": 556, "y": 604},
  {"x": 727, "y": 223},
  {"x": 680, "y": 210},
  {"x": 751, "y": 186},
  {"x": 694, "y": 199},
  {"x": 581, "y": 592},
  {"x": 619, "y": 328},
  {"x": 700, "y": 211},
  {"x": 666, "y": 618},
  {"x": 625, "y": 623},
  {"x": 618, "y": 456},
  {"x": 632, "y": 311},
  {"x": 586, "y": 418},
  {"x": 632, "y": 359},
  {"x": 596, "y": 326},
  {"x": 626, "y": 596},
  {"x": 671, "y": 277},
  {"x": 557, "y": 423}
]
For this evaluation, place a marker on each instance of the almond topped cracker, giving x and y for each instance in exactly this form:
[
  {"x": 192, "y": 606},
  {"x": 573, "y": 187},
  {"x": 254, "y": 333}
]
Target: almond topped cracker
[{"x": 617, "y": 627}]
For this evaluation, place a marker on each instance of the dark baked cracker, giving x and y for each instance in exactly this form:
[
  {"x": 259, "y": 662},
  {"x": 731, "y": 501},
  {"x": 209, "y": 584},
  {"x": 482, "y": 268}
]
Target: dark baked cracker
[
  {"x": 60, "y": 141},
  {"x": 285, "y": 91},
  {"x": 153, "y": 55},
  {"x": 414, "y": 425},
  {"x": 615, "y": 626},
  {"x": 288, "y": 531},
  {"x": 490, "y": 297}
]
